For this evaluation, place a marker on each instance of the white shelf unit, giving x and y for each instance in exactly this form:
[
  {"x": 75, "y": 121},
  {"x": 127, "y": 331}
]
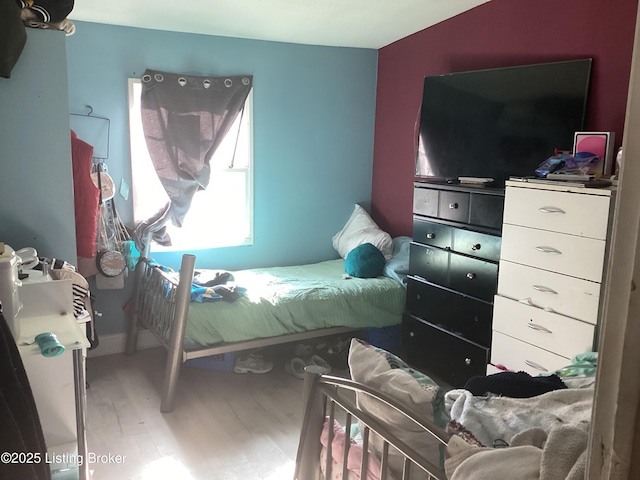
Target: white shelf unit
[{"x": 58, "y": 383}]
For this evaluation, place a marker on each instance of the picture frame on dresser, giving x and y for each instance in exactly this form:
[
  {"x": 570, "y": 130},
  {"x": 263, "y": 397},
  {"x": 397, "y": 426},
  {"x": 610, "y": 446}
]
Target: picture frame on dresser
[{"x": 598, "y": 143}]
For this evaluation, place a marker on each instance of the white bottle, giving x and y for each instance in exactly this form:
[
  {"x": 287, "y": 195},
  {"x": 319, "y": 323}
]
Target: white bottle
[{"x": 9, "y": 284}]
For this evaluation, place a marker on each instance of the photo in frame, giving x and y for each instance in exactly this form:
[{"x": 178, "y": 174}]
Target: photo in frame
[{"x": 598, "y": 143}]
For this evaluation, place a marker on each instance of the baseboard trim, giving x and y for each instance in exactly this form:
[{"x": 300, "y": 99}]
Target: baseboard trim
[{"x": 115, "y": 343}]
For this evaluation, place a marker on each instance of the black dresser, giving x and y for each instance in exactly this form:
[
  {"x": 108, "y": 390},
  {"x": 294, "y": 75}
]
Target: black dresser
[{"x": 453, "y": 277}]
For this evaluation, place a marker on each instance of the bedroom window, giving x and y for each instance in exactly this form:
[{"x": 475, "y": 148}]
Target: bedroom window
[{"x": 221, "y": 215}]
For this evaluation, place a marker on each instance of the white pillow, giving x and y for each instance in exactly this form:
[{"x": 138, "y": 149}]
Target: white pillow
[
  {"x": 359, "y": 229},
  {"x": 387, "y": 373}
]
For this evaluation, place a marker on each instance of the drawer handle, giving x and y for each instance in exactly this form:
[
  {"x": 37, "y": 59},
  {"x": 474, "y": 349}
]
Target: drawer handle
[
  {"x": 543, "y": 289},
  {"x": 453, "y": 205},
  {"x": 431, "y": 235},
  {"x": 545, "y": 249},
  {"x": 539, "y": 328},
  {"x": 477, "y": 246},
  {"x": 412, "y": 334},
  {"x": 536, "y": 366},
  {"x": 467, "y": 361},
  {"x": 552, "y": 210},
  {"x": 471, "y": 276}
]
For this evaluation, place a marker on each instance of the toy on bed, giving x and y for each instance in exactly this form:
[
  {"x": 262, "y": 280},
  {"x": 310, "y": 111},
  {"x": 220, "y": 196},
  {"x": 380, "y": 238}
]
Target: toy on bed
[
  {"x": 408, "y": 428},
  {"x": 276, "y": 304}
]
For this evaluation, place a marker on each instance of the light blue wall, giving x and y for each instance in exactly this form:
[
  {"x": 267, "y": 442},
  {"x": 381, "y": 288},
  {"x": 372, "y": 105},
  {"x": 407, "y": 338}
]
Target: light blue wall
[
  {"x": 314, "y": 111},
  {"x": 36, "y": 183}
]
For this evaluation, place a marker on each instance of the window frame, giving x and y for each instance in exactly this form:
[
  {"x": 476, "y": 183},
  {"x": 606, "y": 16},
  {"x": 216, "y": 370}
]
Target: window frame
[{"x": 248, "y": 170}]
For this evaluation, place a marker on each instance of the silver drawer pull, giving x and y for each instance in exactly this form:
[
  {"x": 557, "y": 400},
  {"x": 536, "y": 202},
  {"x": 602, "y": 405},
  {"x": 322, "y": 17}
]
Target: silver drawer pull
[
  {"x": 453, "y": 205},
  {"x": 476, "y": 246},
  {"x": 539, "y": 328},
  {"x": 545, "y": 249},
  {"x": 543, "y": 289},
  {"x": 536, "y": 366},
  {"x": 471, "y": 276},
  {"x": 552, "y": 210},
  {"x": 467, "y": 361},
  {"x": 431, "y": 235}
]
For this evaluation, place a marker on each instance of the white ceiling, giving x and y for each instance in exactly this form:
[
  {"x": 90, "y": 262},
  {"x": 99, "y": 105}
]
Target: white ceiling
[{"x": 349, "y": 23}]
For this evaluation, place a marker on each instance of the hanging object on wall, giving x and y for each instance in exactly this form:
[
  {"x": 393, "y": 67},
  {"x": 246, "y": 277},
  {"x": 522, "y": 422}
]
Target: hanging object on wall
[
  {"x": 47, "y": 14},
  {"x": 112, "y": 235},
  {"x": 13, "y": 36}
]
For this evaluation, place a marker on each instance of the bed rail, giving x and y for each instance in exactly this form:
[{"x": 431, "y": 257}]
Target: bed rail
[
  {"x": 161, "y": 304},
  {"x": 328, "y": 397}
]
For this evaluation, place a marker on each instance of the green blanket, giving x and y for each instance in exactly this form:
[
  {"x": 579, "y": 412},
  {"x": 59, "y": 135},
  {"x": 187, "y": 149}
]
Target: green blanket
[{"x": 294, "y": 299}]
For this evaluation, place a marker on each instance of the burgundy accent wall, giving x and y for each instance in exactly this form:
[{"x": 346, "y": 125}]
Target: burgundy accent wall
[{"x": 496, "y": 34}]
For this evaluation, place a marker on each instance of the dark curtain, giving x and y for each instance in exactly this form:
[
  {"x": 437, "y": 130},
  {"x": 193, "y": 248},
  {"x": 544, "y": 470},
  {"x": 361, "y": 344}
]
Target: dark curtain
[
  {"x": 185, "y": 118},
  {"x": 20, "y": 430}
]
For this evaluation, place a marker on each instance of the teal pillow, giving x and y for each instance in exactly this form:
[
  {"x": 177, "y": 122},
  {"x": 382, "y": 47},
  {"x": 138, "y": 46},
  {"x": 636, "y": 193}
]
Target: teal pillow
[{"x": 365, "y": 261}]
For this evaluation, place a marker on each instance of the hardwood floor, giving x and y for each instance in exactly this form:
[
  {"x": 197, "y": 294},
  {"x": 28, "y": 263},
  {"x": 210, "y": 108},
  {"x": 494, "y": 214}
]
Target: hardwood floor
[{"x": 225, "y": 426}]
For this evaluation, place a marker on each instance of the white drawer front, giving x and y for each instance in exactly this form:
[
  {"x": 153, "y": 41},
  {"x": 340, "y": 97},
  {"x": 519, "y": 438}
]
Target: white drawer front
[
  {"x": 557, "y": 252},
  {"x": 569, "y": 296},
  {"x": 573, "y": 213},
  {"x": 520, "y": 356},
  {"x": 550, "y": 331}
]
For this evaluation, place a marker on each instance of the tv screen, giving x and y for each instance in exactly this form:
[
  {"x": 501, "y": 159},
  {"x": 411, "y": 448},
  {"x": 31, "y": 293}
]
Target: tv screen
[{"x": 500, "y": 122}]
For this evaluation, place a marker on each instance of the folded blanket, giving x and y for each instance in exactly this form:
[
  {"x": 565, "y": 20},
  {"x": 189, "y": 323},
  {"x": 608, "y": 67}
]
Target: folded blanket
[{"x": 494, "y": 419}]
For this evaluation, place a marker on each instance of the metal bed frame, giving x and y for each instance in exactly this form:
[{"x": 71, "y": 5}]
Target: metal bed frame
[
  {"x": 161, "y": 304},
  {"x": 330, "y": 397}
]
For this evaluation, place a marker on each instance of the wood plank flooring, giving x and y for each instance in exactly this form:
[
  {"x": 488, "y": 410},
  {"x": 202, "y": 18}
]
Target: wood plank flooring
[{"x": 225, "y": 426}]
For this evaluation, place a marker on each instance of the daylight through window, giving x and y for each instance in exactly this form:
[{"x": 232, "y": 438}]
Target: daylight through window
[{"x": 221, "y": 215}]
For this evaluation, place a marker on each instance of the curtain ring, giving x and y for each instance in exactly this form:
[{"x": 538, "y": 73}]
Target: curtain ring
[
  {"x": 228, "y": 82},
  {"x": 206, "y": 83},
  {"x": 245, "y": 81},
  {"x": 158, "y": 77},
  {"x": 182, "y": 81},
  {"x": 146, "y": 78}
]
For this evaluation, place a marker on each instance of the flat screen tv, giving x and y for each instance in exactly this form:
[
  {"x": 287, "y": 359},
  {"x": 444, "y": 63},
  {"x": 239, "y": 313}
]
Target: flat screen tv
[{"x": 500, "y": 122}]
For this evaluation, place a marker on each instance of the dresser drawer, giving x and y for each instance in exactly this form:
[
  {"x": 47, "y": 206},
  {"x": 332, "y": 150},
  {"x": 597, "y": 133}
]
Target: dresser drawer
[
  {"x": 467, "y": 275},
  {"x": 474, "y": 277},
  {"x": 573, "y": 213},
  {"x": 486, "y": 210},
  {"x": 454, "y": 359},
  {"x": 563, "y": 294},
  {"x": 431, "y": 264},
  {"x": 520, "y": 356},
  {"x": 567, "y": 254},
  {"x": 432, "y": 233},
  {"x": 477, "y": 244},
  {"x": 558, "y": 334},
  {"x": 464, "y": 316},
  {"x": 454, "y": 206},
  {"x": 425, "y": 202}
]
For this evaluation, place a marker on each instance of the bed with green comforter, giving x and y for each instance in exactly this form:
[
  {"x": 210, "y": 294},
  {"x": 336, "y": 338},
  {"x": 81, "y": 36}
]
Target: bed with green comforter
[{"x": 293, "y": 299}]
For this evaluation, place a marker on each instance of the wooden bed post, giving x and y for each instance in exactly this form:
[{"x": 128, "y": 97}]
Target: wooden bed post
[
  {"x": 174, "y": 359},
  {"x": 308, "y": 458}
]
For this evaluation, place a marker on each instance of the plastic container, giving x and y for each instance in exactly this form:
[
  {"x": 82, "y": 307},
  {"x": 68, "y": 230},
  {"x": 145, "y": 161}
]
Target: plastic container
[
  {"x": 9, "y": 284},
  {"x": 223, "y": 362},
  {"x": 387, "y": 338}
]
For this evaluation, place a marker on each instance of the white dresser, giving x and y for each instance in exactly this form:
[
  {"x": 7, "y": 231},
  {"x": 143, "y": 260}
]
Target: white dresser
[{"x": 554, "y": 245}]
